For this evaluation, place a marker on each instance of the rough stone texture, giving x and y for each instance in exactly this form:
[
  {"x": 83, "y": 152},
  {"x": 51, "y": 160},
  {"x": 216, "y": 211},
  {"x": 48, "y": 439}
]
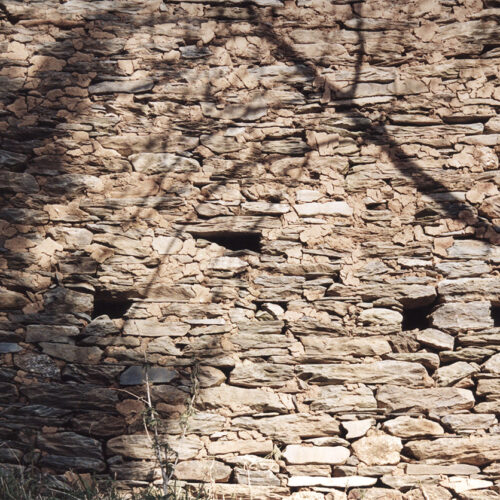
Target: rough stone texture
[
  {"x": 378, "y": 449},
  {"x": 282, "y": 215}
]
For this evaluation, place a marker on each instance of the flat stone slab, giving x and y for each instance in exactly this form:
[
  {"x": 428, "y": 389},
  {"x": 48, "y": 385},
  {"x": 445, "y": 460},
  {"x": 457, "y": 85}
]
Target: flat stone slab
[
  {"x": 332, "y": 208},
  {"x": 299, "y": 454},
  {"x": 378, "y": 372},
  {"x": 331, "y": 482},
  {"x": 122, "y": 86}
]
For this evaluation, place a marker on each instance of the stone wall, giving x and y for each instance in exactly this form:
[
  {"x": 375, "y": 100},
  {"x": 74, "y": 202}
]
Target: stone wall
[{"x": 288, "y": 211}]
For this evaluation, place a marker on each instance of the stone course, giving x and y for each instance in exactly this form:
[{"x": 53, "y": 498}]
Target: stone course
[{"x": 282, "y": 215}]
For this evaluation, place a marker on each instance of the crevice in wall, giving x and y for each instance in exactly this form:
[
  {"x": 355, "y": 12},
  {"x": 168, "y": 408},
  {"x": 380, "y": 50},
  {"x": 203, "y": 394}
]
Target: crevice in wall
[
  {"x": 237, "y": 241},
  {"x": 106, "y": 302},
  {"x": 495, "y": 314},
  {"x": 417, "y": 318}
]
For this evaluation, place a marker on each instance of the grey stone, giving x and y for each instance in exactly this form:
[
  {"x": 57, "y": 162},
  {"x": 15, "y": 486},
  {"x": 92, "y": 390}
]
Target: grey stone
[
  {"x": 6, "y": 347},
  {"x": 101, "y": 326},
  {"x": 18, "y": 182},
  {"x": 9, "y": 159},
  {"x": 24, "y": 216},
  {"x": 123, "y": 86},
  {"x": 33, "y": 362},
  {"x": 71, "y": 396},
  {"x": 136, "y": 375},
  {"x": 71, "y": 353},
  {"x": 51, "y": 333}
]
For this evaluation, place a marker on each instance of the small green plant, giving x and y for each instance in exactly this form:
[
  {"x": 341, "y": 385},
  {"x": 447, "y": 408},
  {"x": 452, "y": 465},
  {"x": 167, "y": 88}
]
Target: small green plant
[{"x": 30, "y": 484}]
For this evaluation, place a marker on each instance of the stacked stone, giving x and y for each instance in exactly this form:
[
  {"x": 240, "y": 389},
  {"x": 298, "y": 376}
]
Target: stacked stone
[{"x": 279, "y": 221}]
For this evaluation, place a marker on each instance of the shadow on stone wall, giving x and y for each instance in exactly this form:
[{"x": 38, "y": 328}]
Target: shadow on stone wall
[{"x": 85, "y": 175}]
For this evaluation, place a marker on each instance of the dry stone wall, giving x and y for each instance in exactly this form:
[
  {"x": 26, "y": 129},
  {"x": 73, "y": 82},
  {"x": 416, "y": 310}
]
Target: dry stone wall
[{"x": 283, "y": 215}]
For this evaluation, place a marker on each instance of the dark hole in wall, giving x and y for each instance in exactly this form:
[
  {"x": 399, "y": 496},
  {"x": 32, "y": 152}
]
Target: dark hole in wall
[
  {"x": 495, "y": 314},
  {"x": 237, "y": 241},
  {"x": 114, "y": 306},
  {"x": 417, "y": 318}
]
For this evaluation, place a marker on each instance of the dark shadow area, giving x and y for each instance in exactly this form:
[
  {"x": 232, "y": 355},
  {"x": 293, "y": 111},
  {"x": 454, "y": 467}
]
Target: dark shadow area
[
  {"x": 113, "y": 305},
  {"x": 237, "y": 241},
  {"x": 417, "y": 318}
]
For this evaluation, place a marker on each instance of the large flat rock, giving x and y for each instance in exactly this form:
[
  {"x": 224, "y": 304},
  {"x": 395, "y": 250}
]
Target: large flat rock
[
  {"x": 378, "y": 372},
  {"x": 467, "y": 450},
  {"x": 439, "y": 400}
]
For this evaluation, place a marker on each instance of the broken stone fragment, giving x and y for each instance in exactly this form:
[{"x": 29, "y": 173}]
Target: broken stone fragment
[
  {"x": 463, "y": 484},
  {"x": 299, "y": 454},
  {"x": 357, "y": 428}
]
